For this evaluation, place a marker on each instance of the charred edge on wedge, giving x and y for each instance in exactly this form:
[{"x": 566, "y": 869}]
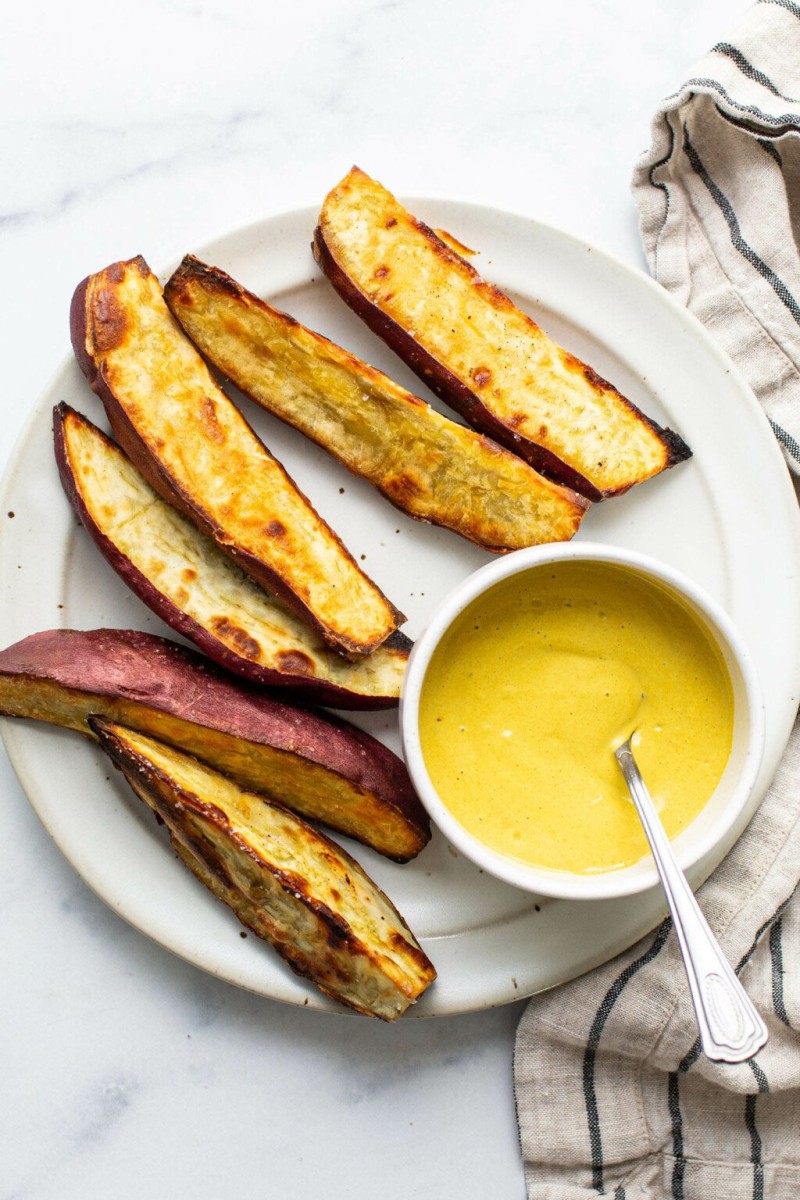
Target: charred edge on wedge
[
  {"x": 497, "y": 530},
  {"x": 339, "y": 943},
  {"x": 442, "y": 382},
  {"x": 98, "y": 323},
  {"x": 296, "y": 663},
  {"x": 455, "y": 391},
  {"x": 313, "y": 762}
]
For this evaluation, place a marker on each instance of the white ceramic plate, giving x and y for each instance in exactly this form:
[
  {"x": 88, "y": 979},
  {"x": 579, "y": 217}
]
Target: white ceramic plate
[{"x": 728, "y": 518}]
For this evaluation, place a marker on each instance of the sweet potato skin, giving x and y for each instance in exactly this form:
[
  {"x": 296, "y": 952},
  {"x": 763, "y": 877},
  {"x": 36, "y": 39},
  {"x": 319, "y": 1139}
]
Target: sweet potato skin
[
  {"x": 314, "y": 763},
  {"x": 427, "y": 465},
  {"x": 444, "y": 383},
  {"x": 302, "y": 663},
  {"x": 472, "y": 396},
  {"x": 262, "y": 521},
  {"x": 288, "y": 883}
]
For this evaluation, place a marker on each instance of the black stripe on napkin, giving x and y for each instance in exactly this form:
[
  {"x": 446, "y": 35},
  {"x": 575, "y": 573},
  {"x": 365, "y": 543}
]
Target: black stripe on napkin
[
  {"x": 662, "y": 162},
  {"x": 657, "y": 183},
  {"x": 756, "y": 1145},
  {"x": 785, "y": 123},
  {"x": 673, "y": 1092},
  {"x": 679, "y": 1161},
  {"x": 779, "y": 911},
  {"x": 737, "y": 241},
  {"x": 786, "y": 440},
  {"x": 755, "y": 130},
  {"x": 771, "y": 150},
  {"x": 603, "y": 1013},
  {"x": 787, "y": 4},
  {"x": 758, "y": 1075},
  {"x": 747, "y": 68},
  {"x": 762, "y": 137},
  {"x": 674, "y": 1105},
  {"x": 776, "y": 956}
]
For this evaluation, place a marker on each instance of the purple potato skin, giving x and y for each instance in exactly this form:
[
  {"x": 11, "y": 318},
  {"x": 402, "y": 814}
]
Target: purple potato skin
[
  {"x": 153, "y": 684},
  {"x": 442, "y": 382},
  {"x": 108, "y": 324},
  {"x": 304, "y": 687},
  {"x": 458, "y": 395}
]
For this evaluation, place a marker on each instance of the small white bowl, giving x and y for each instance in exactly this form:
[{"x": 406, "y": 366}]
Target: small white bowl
[{"x": 715, "y": 819}]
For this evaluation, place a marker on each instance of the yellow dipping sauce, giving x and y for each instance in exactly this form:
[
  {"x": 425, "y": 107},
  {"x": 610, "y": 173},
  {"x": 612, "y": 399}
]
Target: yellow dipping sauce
[{"x": 535, "y": 684}]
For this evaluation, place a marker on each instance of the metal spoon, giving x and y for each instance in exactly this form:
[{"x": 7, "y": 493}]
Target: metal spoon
[{"x": 731, "y": 1030}]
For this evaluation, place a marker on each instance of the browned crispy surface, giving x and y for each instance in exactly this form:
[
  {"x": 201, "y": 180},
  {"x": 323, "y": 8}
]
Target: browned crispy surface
[
  {"x": 427, "y": 465},
  {"x": 314, "y": 763},
  {"x": 288, "y": 883},
  {"x": 195, "y": 448},
  {"x": 484, "y": 356},
  {"x": 185, "y": 578}
]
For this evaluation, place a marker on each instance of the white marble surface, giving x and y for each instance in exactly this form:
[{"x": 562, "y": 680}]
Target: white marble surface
[{"x": 148, "y": 130}]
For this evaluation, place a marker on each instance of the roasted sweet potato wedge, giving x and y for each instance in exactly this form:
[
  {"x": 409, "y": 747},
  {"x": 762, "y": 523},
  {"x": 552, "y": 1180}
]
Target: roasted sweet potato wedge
[
  {"x": 427, "y": 465},
  {"x": 186, "y": 579},
  {"x": 313, "y": 763},
  {"x": 479, "y": 352},
  {"x": 197, "y": 451},
  {"x": 288, "y": 883}
]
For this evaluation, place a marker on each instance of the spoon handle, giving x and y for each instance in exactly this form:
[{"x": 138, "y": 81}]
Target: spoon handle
[{"x": 731, "y": 1029}]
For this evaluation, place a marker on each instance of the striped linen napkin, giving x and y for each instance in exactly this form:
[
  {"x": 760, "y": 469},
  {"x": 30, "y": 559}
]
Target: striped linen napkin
[{"x": 613, "y": 1095}]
